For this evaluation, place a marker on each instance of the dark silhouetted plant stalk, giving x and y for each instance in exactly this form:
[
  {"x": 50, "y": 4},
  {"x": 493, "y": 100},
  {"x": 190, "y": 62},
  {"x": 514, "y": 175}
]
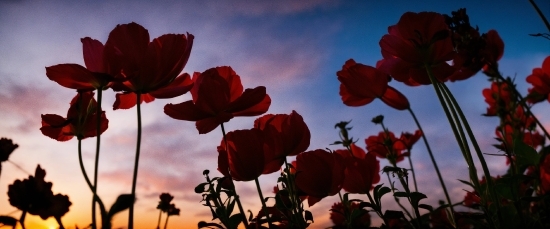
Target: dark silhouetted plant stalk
[{"x": 136, "y": 163}]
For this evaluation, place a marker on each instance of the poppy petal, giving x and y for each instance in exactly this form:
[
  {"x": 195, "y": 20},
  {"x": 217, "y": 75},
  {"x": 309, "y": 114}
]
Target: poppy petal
[
  {"x": 181, "y": 85},
  {"x": 252, "y": 102},
  {"x": 71, "y": 76},
  {"x": 93, "y": 54}
]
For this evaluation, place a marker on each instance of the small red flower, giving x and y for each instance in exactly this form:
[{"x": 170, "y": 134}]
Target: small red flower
[
  {"x": 244, "y": 157},
  {"x": 285, "y": 135},
  {"x": 361, "y": 84},
  {"x": 340, "y": 222},
  {"x": 407, "y": 140},
  {"x": 218, "y": 97},
  {"x": 417, "y": 41},
  {"x": 96, "y": 75},
  {"x": 362, "y": 170},
  {"x": 498, "y": 97},
  {"x": 540, "y": 79},
  {"x": 151, "y": 68},
  {"x": 383, "y": 146},
  {"x": 81, "y": 120},
  {"x": 319, "y": 174}
]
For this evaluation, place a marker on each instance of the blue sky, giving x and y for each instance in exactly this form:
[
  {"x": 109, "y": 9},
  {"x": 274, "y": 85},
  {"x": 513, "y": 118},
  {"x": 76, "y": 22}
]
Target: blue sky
[{"x": 294, "y": 48}]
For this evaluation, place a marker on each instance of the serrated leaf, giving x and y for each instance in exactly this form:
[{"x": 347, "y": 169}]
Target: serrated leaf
[{"x": 123, "y": 202}]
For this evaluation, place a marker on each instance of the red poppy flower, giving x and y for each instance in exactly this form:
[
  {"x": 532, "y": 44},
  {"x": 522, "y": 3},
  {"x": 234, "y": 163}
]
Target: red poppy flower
[
  {"x": 418, "y": 40},
  {"x": 540, "y": 79},
  {"x": 493, "y": 50},
  {"x": 362, "y": 170},
  {"x": 150, "y": 68},
  {"x": 319, "y": 174},
  {"x": 407, "y": 140},
  {"x": 81, "y": 120},
  {"x": 285, "y": 135},
  {"x": 361, "y": 84},
  {"x": 244, "y": 155},
  {"x": 545, "y": 175},
  {"x": 383, "y": 146},
  {"x": 339, "y": 220},
  {"x": 218, "y": 97},
  {"x": 96, "y": 74},
  {"x": 472, "y": 200}
]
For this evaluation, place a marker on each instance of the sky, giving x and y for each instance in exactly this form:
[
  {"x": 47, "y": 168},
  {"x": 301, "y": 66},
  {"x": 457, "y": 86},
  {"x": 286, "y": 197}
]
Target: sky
[{"x": 294, "y": 48}]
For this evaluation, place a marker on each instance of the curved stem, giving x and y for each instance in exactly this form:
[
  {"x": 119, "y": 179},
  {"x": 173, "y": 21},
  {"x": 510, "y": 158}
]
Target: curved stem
[
  {"x": 414, "y": 176},
  {"x": 136, "y": 162},
  {"x": 245, "y": 221},
  {"x": 378, "y": 211},
  {"x": 397, "y": 199},
  {"x": 540, "y": 14},
  {"x": 101, "y": 205},
  {"x": 98, "y": 140},
  {"x": 266, "y": 212},
  {"x": 292, "y": 194},
  {"x": 432, "y": 158}
]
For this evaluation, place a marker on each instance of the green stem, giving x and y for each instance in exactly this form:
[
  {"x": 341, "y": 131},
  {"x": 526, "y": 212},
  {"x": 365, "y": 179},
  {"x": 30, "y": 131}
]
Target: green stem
[
  {"x": 480, "y": 156},
  {"x": 521, "y": 100},
  {"x": 432, "y": 158},
  {"x": 294, "y": 199},
  {"x": 101, "y": 205},
  {"x": 245, "y": 221},
  {"x": 414, "y": 176},
  {"x": 98, "y": 140},
  {"x": 540, "y": 14},
  {"x": 397, "y": 199},
  {"x": 266, "y": 212},
  {"x": 378, "y": 210},
  {"x": 136, "y": 162}
]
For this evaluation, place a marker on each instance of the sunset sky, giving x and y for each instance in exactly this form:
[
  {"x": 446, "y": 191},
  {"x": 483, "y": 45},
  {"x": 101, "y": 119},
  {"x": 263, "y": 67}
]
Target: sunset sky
[{"x": 294, "y": 48}]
